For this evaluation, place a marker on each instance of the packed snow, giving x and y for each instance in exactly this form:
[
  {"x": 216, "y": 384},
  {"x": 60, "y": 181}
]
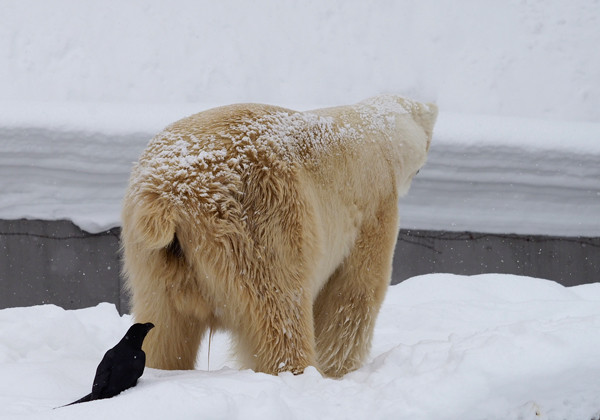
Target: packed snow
[{"x": 445, "y": 347}]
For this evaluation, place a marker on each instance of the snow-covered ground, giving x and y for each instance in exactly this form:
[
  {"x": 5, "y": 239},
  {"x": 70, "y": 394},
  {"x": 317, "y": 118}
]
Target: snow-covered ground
[{"x": 445, "y": 347}]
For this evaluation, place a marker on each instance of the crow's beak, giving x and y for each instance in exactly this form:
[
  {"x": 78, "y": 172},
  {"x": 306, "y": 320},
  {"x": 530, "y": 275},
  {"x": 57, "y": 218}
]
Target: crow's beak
[{"x": 149, "y": 325}]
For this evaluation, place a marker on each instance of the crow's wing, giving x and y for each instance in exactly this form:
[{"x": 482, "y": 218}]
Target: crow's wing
[{"x": 103, "y": 373}]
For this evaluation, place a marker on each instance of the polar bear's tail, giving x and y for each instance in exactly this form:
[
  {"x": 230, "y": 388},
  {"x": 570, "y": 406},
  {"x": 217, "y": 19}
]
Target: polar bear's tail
[{"x": 149, "y": 220}]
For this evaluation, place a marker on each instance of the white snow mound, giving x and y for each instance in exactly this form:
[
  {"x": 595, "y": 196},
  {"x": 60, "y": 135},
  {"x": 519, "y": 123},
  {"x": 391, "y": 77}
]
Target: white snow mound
[{"x": 445, "y": 347}]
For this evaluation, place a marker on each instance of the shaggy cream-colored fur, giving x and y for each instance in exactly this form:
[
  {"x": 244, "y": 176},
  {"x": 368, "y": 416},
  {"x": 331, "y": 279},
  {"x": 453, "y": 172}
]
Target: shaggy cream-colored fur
[{"x": 277, "y": 225}]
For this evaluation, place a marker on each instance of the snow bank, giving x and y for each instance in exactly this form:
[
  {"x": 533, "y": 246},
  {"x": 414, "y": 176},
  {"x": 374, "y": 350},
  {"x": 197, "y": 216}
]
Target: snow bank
[
  {"x": 508, "y": 175},
  {"x": 445, "y": 347},
  {"x": 484, "y": 174},
  {"x": 72, "y": 161}
]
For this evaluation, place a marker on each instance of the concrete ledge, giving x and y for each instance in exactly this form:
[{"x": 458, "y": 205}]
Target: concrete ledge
[{"x": 56, "y": 262}]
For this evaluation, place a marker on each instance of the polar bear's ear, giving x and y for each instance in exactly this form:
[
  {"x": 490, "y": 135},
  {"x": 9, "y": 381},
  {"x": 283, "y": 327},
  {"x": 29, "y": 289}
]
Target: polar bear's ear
[{"x": 425, "y": 115}]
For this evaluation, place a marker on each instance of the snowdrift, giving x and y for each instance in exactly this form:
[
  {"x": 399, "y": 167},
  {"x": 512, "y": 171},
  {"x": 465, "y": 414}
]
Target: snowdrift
[{"x": 445, "y": 347}]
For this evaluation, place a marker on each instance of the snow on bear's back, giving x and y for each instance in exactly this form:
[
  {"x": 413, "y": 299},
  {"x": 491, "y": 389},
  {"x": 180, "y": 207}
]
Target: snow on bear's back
[{"x": 208, "y": 153}]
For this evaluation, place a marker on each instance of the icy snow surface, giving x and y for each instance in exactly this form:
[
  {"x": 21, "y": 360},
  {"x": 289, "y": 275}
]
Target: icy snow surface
[
  {"x": 445, "y": 347},
  {"x": 486, "y": 174}
]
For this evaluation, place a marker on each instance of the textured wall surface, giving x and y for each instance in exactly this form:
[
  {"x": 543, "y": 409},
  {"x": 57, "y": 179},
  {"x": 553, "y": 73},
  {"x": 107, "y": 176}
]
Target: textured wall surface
[{"x": 56, "y": 262}]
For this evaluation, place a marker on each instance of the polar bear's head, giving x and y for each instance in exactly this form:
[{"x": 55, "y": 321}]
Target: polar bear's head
[
  {"x": 390, "y": 112},
  {"x": 407, "y": 124}
]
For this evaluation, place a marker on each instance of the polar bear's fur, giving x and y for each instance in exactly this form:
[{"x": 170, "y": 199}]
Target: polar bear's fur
[{"x": 277, "y": 225}]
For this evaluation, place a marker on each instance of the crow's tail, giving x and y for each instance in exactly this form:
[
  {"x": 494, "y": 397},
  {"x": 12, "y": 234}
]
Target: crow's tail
[{"x": 87, "y": 398}]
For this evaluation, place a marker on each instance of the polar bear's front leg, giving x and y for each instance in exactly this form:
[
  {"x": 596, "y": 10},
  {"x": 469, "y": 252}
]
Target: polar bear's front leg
[{"x": 346, "y": 308}]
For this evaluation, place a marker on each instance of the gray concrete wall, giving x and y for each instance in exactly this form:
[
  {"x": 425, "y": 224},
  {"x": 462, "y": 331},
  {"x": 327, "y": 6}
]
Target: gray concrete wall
[
  {"x": 566, "y": 260},
  {"x": 56, "y": 262}
]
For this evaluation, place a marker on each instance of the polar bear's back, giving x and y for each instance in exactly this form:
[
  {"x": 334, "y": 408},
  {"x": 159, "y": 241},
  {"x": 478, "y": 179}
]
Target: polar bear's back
[{"x": 206, "y": 158}]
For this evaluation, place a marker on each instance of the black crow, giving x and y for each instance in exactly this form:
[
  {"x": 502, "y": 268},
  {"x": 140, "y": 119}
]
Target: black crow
[{"x": 121, "y": 366}]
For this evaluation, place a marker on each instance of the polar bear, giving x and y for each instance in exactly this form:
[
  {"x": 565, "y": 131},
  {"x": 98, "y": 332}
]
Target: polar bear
[{"x": 276, "y": 225}]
